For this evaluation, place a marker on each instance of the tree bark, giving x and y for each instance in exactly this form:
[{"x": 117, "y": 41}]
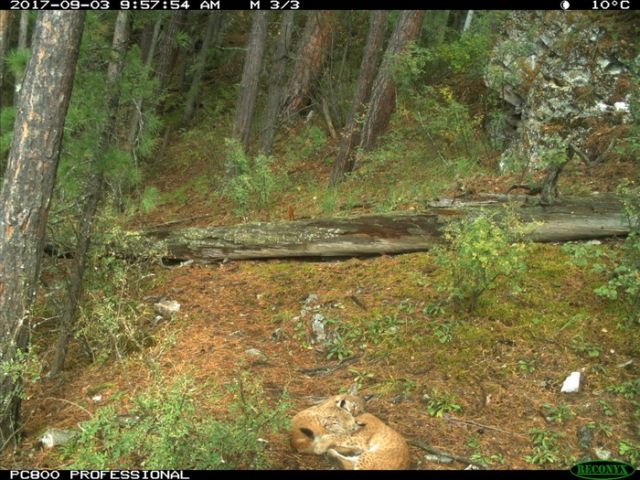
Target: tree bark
[
  {"x": 311, "y": 52},
  {"x": 213, "y": 25},
  {"x": 5, "y": 22},
  {"x": 250, "y": 76},
  {"x": 575, "y": 219},
  {"x": 277, "y": 78},
  {"x": 383, "y": 95},
  {"x": 168, "y": 49},
  {"x": 368, "y": 66},
  {"x": 26, "y": 192},
  {"x": 467, "y": 21},
  {"x": 93, "y": 193},
  {"x": 136, "y": 117},
  {"x": 23, "y": 33}
]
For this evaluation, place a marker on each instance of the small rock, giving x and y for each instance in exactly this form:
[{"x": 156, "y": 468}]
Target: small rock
[
  {"x": 312, "y": 298},
  {"x": 585, "y": 437},
  {"x": 472, "y": 467},
  {"x": 56, "y": 436},
  {"x": 167, "y": 308},
  {"x": 572, "y": 383},
  {"x": 318, "y": 334},
  {"x": 255, "y": 355},
  {"x": 277, "y": 335},
  {"x": 602, "y": 453},
  {"x": 97, "y": 398},
  {"x": 594, "y": 242},
  {"x": 186, "y": 263},
  {"x": 429, "y": 457}
]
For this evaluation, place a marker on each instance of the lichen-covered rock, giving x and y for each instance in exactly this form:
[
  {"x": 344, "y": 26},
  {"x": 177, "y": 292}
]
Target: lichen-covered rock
[{"x": 565, "y": 78}]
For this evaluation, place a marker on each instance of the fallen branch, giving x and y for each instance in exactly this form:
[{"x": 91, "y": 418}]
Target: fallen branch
[{"x": 434, "y": 451}]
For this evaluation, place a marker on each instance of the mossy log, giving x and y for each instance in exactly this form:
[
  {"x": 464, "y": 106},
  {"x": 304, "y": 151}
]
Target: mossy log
[{"x": 573, "y": 219}]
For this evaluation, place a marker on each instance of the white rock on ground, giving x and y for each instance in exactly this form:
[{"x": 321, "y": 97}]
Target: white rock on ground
[
  {"x": 167, "y": 308},
  {"x": 572, "y": 383}
]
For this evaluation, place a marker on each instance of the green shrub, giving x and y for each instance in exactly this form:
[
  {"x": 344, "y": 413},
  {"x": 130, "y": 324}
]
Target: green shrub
[
  {"x": 624, "y": 282},
  {"x": 480, "y": 251},
  {"x": 252, "y": 182},
  {"x": 168, "y": 429}
]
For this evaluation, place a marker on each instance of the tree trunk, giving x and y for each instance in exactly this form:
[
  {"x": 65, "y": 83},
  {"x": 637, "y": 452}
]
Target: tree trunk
[
  {"x": 467, "y": 21},
  {"x": 383, "y": 95},
  {"x": 368, "y": 66},
  {"x": 93, "y": 192},
  {"x": 5, "y": 21},
  {"x": 213, "y": 25},
  {"x": 277, "y": 78},
  {"x": 168, "y": 49},
  {"x": 23, "y": 33},
  {"x": 136, "y": 117},
  {"x": 250, "y": 76},
  {"x": 576, "y": 219},
  {"x": 26, "y": 192},
  {"x": 310, "y": 55}
]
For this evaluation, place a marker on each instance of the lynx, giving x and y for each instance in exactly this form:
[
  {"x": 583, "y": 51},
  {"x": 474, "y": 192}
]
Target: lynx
[
  {"x": 374, "y": 446},
  {"x": 336, "y": 416}
]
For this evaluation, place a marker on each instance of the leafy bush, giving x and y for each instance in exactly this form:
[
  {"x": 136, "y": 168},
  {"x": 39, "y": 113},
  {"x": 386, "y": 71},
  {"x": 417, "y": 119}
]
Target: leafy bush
[
  {"x": 545, "y": 447},
  {"x": 480, "y": 252},
  {"x": 168, "y": 429},
  {"x": 440, "y": 403},
  {"x": 624, "y": 283},
  {"x": 251, "y": 183}
]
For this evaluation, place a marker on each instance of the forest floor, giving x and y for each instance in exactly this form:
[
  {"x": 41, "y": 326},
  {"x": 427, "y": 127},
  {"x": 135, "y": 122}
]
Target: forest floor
[{"x": 469, "y": 384}]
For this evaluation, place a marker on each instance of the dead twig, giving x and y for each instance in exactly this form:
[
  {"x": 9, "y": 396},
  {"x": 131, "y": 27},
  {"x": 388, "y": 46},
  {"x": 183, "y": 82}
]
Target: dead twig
[
  {"x": 434, "y": 451},
  {"x": 449, "y": 418},
  {"x": 71, "y": 403}
]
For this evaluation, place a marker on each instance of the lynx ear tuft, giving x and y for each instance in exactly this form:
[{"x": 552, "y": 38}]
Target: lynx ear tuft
[{"x": 307, "y": 432}]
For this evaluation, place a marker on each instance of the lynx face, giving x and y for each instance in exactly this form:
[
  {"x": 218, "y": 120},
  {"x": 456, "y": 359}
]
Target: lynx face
[
  {"x": 373, "y": 446},
  {"x": 336, "y": 416}
]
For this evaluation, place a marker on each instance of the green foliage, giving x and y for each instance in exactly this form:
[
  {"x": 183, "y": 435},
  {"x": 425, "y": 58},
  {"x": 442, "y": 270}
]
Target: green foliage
[
  {"x": 149, "y": 199},
  {"x": 629, "y": 389},
  {"x": 631, "y": 450},
  {"x": 16, "y": 62},
  {"x": 443, "y": 331},
  {"x": 545, "y": 447},
  {"x": 480, "y": 251},
  {"x": 624, "y": 282},
  {"x": 440, "y": 403},
  {"x": 584, "y": 347},
  {"x": 252, "y": 182},
  {"x": 557, "y": 414},
  {"x": 630, "y": 147},
  {"x": 7, "y": 118},
  {"x": 306, "y": 144},
  {"x": 449, "y": 127},
  {"x": 168, "y": 429}
]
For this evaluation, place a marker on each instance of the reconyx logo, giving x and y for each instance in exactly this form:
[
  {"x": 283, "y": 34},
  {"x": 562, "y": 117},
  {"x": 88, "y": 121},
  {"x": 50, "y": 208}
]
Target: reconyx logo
[{"x": 602, "y": 470}]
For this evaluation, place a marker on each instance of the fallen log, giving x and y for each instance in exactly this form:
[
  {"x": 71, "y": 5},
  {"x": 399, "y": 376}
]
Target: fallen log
[{"x": 574, "y": 219}]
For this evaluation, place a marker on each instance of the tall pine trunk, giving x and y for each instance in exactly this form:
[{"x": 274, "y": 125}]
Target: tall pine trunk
[
  {"x": 213, "y": 26},
  {"x": 383, "y": 95},
  {"x": 368, "y": 66},
  {"x": 93, "y": 193},
  {"x": 311, "y": 53},
  {"x": 168, "y": 48},
  {"x": 26, "y": 193},
  {"x": 250, "y": 76},
  {"x": 5, "y": 22},
  {"x": 277, "y": 78},
  {"x": 136, "y": 116},
  {"x": 23, "y": 33}
]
